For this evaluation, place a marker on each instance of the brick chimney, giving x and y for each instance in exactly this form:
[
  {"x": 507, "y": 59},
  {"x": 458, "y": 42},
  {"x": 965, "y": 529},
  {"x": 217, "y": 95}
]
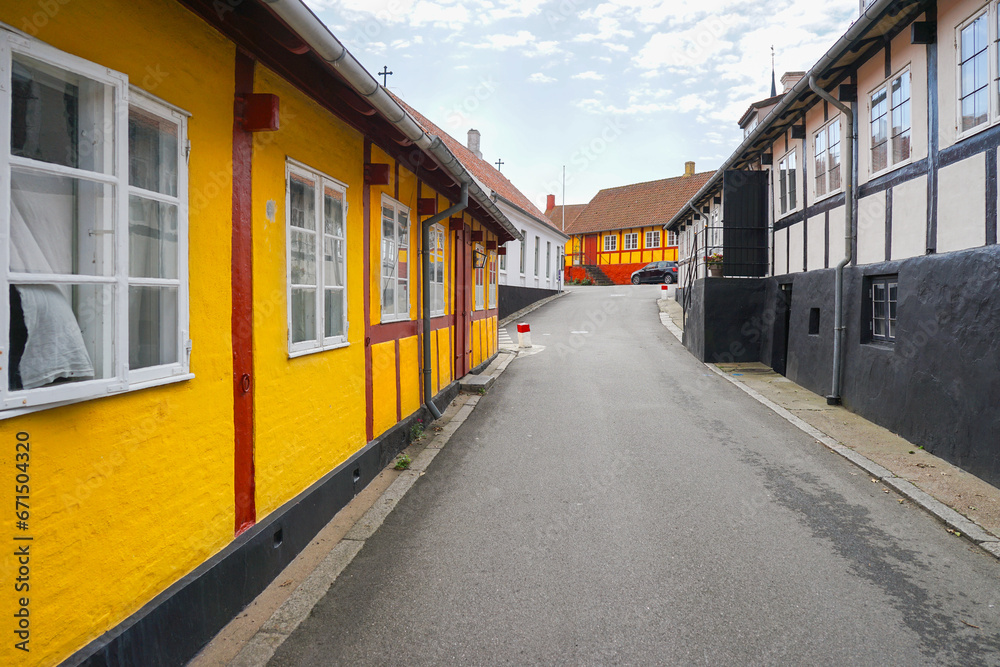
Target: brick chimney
[
  {"x": 688, "y": 169},
  {"x": 550, "y": 203},
  {"x": 473, "y": 144},
  {"x": 789, "y": 79}
]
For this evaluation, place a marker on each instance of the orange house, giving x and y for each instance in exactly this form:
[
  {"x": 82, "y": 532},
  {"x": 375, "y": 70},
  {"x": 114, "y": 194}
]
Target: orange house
[{"x": 621, "y": 229}]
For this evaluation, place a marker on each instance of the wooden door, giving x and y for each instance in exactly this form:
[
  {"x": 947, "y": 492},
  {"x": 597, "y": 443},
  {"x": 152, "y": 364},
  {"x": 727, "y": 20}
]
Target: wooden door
[{"x": 590, "y": 249}]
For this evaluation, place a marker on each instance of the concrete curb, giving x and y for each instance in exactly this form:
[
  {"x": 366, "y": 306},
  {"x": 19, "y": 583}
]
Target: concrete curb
[
  {"x": 961, "y": 525},
  {"x": 527, "y": 309},
  {"x": 283, "y": 622}
]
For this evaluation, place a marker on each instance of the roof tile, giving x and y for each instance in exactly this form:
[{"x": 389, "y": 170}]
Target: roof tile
[{"x": 637, "y": 205}]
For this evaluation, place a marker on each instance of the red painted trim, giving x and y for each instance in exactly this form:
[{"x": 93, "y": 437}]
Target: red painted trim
[
  {"x": 483, "y": 314},
  {"x": 441, "y": 322},
  {"x": 366, "y": 211},
  {"x": 242, "y": 296},
  {"x": 395, "y": 182},
  {"x": 383, "y": 333},
  {"x": 399, "y": 385}
]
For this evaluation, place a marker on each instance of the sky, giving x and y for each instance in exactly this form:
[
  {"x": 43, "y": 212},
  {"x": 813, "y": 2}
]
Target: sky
[{"x": 618, "y": 92}]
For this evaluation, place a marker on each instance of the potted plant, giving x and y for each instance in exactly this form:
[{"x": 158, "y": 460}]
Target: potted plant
[{"x": 714, "y": 264}]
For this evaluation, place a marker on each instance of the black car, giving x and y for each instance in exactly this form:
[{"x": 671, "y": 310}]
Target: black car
[{"x": 656, "y": 273}]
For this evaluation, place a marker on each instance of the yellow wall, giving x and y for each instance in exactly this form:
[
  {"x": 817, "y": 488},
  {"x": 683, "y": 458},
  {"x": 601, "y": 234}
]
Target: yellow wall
[
  {"x": 132, "y": 492},
  {"x": 129, "y": 493},
  {"x": 309, "y": 411},
  {"x": 384, "y": 386}
]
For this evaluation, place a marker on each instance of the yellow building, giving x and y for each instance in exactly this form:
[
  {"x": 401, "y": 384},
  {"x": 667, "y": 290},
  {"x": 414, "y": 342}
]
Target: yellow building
[
  {"x": 216, "y": 325},
  {"x": 621, "y": 229}
]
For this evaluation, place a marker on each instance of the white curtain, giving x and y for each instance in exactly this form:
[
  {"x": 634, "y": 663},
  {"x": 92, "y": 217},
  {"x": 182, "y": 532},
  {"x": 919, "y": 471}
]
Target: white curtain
[{"x": 55, "y": 347}]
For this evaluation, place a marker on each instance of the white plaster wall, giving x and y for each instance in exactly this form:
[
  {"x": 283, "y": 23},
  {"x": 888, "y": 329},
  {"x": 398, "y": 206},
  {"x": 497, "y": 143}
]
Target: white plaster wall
[
  {"x": 871, "y": 229},
  {"x": 816, "y": 237},
  {"x": 909, "y": 219},
  {"x": 961, "y": 218},
  {"x": 837, "y": 218},
  {"x": 780, "y": 250},
  {"x": 512, "y": 275},
  {"x": 796, "y": 247}
]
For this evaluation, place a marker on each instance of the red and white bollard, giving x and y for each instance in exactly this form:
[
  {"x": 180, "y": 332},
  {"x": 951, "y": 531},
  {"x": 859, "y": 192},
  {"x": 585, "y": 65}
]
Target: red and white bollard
[
  {"x": 663, "y": 290},
  {"x": 523, "y": 335}
]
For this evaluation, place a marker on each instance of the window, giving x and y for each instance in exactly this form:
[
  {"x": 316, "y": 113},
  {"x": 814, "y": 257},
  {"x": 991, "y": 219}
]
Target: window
[
  {"x": 882, "y": 294},
  {"x": 786, "y": 183},
  {"x": 538, "y": 243},
  {"x": 395, "y": 260},
  {"x": 827, "y": 144},
  {"x": 480, "y": 277},
  {"x": 671, "y": 238},
  {"x": 97, "y": 283},
  {"x": 316, "y": 251},
  {"x": 524, "y": 242},
  {"x": 630, "y": 241},
  {"x": 610, "y": 243},
  {"x": 974, "y": 77},
  {"x": 492, "y": 263},
  {"x": 653, "y": 239},
  {"x": 503, "y": 262},
  {"x": 891, "y": 103},
  {"x": 548, "y": 259},
  {"x": 437, "y": 270}
]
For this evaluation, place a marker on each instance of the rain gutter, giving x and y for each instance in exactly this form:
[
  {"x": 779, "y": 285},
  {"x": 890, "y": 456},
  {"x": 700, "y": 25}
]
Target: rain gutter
[{"x": 307, "y": 26}]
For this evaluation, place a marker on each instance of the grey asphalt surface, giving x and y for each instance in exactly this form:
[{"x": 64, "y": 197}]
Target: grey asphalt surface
[{"x": 613, "y": 501}]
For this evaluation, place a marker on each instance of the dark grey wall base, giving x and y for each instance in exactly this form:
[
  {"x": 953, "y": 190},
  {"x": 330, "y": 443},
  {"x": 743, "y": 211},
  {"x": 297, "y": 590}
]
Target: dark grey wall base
[
  {"x": 176, "y": 624},
  {"x": 717, "y": 324},
  {"x": 937, "y": 385},
  {"x": 511, "y": 299},
  {"x": 482, "y": 367}
]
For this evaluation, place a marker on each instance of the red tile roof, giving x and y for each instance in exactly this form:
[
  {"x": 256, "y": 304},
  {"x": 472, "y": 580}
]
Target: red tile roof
[
  {"x": 486, "y": 173},
  {"x": 637, "y": 205},
  {"x": 572, "y": 211}
]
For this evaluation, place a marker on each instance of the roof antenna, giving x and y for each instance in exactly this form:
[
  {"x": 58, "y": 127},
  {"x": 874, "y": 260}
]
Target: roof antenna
[{"x": 774, "y": 88}]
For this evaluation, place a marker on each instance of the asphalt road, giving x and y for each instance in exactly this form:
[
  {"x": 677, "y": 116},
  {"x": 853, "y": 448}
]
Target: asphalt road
[{"x": 612, "y": 501}]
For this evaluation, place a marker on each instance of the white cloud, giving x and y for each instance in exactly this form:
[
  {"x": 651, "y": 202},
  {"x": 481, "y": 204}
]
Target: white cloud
[
  {"x": 504, "y": 42},
  {"x": 538, "y": 77},
  {"x": 588, "y": 75}
]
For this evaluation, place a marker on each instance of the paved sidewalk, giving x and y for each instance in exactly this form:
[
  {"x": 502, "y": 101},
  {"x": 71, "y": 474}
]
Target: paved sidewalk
[
  {"x": 966, "y": 494},
  {"x": 251, "y": 638}
]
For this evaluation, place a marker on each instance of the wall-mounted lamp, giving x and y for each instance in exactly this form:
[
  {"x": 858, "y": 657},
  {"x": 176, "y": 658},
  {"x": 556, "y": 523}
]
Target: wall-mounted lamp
[{"x": 478, "y": 259}]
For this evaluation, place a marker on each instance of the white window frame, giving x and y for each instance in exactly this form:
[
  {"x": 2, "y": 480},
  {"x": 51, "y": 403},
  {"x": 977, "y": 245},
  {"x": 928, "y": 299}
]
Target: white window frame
[
  {"x": 396, "y": 314},
  {"x": 886, "y": 86},
  {"x": 538, "y": 252},
  {"x": 503, "y": 261},
  {"x": 548, "y": 259},
  {"x": 653, "y": 239},
  {"x": 671, "y": 238},
  {"x": 523, "y": 243},
  {"x": 479, "y": 278},
  {"x": 630, "y": 241},
  {"x": 824, "y": 132},
  {"x": 610, "y": 243},
  {"x": 491, "y": 262},
  {"x": 320, "y": 341},
  {"x": 121, "y": 379},
  {"x": 990, "y": 13},
  {"x": 438, "y": 253},
  {"x": 782, "y": 181}
]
